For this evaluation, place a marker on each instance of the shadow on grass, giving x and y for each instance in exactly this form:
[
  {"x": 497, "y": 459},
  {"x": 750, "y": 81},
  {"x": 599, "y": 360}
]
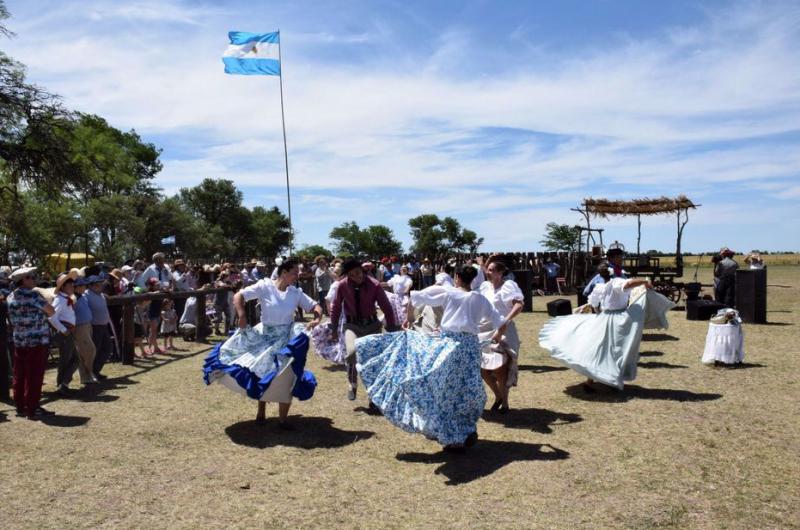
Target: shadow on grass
[
  {"x": 770, "y": 324},
  {"x": 64, "y": 421},
  {"x": 738, "y": 366},
  {"x": 657, "y": 337},
  {"x": 657, "y": 364},
  {"x": 335, "y": 368},
  {"x": 3, "y": 417},
  {"x": 651, "y": 353},
  {"x": 368, "y": 411},
  {"x": 612, "y": 395},
  {"x": 540, "y": 368},
  {"x": 484, "y": 459},
  {"x": 537, "y": 420},
  {"x": 311, "y": 433}
]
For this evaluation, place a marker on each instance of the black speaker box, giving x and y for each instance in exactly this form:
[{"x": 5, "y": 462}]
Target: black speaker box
[
  {"x": 702, "y": 309},
  {"x": 559, "y": 307},
  {"x": 751, "y": 295}
]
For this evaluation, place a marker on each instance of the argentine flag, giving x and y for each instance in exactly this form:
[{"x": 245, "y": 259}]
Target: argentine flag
[{"x": 253, "y": 53}]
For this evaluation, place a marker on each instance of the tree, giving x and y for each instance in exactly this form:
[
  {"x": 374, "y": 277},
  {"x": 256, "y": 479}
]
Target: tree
[
  {"x": 270, "y": 230},
  {"x": 560, "y": 237},
  {"x": 348, "y": 239},
  {"x": 434, "y": 236},
  {"x": 309, "y": 252},
  {"x": 379, "y": 241}
]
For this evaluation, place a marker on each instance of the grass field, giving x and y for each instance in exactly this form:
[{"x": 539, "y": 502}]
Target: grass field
[
  {"x": 685, "y": 446},
  {"x": 689, "y": 262}
]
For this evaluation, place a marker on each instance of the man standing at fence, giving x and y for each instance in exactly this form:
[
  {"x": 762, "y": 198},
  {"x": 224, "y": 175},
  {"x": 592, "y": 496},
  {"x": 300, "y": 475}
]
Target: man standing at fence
[
  {"x": 28, "y": 313},
  {"x": 101, "y": 334},
  {"x": 358, "y": 294}
]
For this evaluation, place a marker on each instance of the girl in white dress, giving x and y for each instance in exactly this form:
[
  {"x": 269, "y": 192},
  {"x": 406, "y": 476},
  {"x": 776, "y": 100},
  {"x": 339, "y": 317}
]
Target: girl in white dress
[
  {"x": 400, "y": 285},
  {"x": 499, "y": 360}
]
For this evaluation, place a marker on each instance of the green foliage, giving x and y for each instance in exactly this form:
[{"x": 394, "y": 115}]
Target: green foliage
[
  {"x": 309, "y": 252},
  {"x": 560, "y": 237},
  {"x": 373, "y": 241},
  {"x": 433, "y": 235}
]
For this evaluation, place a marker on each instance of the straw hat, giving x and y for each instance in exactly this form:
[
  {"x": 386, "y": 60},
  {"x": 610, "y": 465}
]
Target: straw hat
[
  {"x": 116, "y": 273},
  {"x": 260, "y": 264},
  {"x": 64, "y": 277}
]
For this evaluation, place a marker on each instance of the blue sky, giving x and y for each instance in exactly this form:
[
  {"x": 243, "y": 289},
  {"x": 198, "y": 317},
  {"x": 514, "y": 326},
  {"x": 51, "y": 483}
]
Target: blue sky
[{"x": 502, "y": 114}]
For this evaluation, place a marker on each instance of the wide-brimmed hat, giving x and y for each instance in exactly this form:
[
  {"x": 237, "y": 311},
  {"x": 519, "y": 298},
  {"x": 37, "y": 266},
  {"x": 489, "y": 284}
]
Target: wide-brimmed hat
[
  {"x": 368, "y": 265},
  {"x": 81, "y": 282},
  {"x": 260, "y": 264},
  {"x": 126, "y": 268},
  {"x": 64, "y": 277},
  {"x": 22, "y": 272},
  {"x": 116, "y": 273},
  {"x": 726, "y": 252},
  {"x": 94, "y": 278},
  {"x": 178, "y": 262}
]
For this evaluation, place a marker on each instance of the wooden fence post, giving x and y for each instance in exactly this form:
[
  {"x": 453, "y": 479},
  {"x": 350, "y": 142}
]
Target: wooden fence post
[{"x": 128, "y": 335}]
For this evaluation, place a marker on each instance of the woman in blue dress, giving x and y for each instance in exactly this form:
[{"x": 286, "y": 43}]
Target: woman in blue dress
[
  {"x": 428, "y": 384},
  {"x": 267, "y": 362}
]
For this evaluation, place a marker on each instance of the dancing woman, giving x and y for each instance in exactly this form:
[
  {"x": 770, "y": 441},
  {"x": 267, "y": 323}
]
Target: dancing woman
[
  {"x": 432, "y": 385},
  {"x": 400, "y": 285},
  {"x": 605, "y": 347},
  {"x": 266, "y": 362},
  {"x": 499, "y": 359}
]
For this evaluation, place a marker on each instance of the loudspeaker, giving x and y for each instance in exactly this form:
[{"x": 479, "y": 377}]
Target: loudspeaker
[
  {"x": 559, "y": 307},
  {"x": 702, "y": 309},
  {"x": 751, "y": 295}
]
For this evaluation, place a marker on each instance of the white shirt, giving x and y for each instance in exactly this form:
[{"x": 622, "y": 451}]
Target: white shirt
[
  {"x": 463, "y": 311},
  {"x": 277, "y": 307},
  {"x": 274, "y": 275},
  {"x": 443, "y": 278},
  {"x": 63, "y": 313},
  {"x": 189, "y": 315},
  {"x": 332, "y": 292},
  {"x": 503, "y": 298},
  {"x": 479, "y": 279},
  {"x": 611, "y": 296},
  {"x": 165, "y": 275},
  {"x": 181, "y": 281},
  {"x": 401, "y": 285}
]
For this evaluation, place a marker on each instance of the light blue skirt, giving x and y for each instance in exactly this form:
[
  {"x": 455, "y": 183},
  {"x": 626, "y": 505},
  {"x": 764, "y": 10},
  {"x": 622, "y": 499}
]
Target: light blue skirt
[
  {"x": 424, "y": 384},
  {"x": 605, "y": 347}
]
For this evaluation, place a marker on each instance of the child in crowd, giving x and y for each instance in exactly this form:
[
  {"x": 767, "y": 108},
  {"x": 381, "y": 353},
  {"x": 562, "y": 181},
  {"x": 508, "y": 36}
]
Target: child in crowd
[{"x": 169, "y": 323}]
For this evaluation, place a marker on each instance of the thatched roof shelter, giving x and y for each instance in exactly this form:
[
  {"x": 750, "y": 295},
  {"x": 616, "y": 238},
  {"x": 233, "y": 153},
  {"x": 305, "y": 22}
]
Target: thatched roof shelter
[{"x": 646, "y": 206}]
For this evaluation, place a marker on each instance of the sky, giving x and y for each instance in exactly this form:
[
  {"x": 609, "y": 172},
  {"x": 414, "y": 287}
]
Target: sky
[{"x": 501, "y": 114}]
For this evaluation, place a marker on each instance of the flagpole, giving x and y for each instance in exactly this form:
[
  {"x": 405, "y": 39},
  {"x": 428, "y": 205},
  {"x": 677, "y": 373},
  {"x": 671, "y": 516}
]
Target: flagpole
[{"x": 285, "y": 151}]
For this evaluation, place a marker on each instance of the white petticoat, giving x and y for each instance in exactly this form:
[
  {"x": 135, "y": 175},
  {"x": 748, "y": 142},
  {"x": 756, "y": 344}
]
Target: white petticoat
[{"x": 724, "y": 343}]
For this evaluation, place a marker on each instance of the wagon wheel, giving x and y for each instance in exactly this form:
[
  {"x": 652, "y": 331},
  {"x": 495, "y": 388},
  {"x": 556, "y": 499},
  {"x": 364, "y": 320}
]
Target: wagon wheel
[{"x": 669, "y": 290}]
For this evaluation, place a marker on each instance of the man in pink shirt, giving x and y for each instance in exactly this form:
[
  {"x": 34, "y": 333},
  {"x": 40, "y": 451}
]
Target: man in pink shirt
[{"x": 358, "y": 294}]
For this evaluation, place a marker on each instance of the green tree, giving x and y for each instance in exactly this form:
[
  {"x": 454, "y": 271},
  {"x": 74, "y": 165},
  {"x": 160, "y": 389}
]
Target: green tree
[
  {"x": 271, "y": 232},
  {"x": 560, "y": 237},
  {"x": 309, "y": 252},
  {"x": 379, "y": 241},
  {"x": 348, "y": 239},
  {"x": 433, "y": 235}
]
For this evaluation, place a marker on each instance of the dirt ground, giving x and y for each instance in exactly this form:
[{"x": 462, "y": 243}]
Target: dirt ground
[{"x": 684, "y": 446}]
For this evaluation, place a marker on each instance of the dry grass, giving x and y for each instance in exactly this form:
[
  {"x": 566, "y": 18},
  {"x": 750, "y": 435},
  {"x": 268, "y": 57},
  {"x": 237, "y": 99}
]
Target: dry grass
[
  {"x": 685, "y": 446},
  {"x": 689, "y": 262}
]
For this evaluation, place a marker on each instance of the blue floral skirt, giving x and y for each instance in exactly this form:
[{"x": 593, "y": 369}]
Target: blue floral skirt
[
  {"x": 264, "y": 363},
  {"x": 424, "y": 384}
]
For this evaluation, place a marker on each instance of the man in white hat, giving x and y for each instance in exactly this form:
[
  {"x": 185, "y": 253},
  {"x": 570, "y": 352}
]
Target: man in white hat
[
  {"x": 28, "y": 313},
  {"x": 64, "y": 322}
]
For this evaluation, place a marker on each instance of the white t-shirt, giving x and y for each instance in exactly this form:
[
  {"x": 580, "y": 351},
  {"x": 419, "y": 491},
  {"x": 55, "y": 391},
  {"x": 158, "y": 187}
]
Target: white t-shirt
[
  {"x": 400, "y": 285},
  {"x": 503, "y": 298},
  {"x": 611, "y": 296},
  {"x": 443, "y": 278},
  {"x": 463, "y": 311},
  {"x": 63, "y": 312},
  {"x": 277, "y": 307}
]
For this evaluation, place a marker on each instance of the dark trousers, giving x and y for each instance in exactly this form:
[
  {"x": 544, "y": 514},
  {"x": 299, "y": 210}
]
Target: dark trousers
[
  {"x": 67, "y": 358},
  {"x": 427, "y": 281},
  {"x": 29, "y": 366},
  {"x": 353, "y": 331},
  {"x": 101, "y": 336},
  {"x": 725, "y": 292}
]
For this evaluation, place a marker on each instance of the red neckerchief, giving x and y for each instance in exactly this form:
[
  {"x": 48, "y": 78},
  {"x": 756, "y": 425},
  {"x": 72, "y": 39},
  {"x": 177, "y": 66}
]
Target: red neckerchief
[{"x": 69, "y": 299}]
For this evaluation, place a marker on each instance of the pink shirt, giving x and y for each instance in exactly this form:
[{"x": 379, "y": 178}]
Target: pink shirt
[{"x": 370, "y": 293}]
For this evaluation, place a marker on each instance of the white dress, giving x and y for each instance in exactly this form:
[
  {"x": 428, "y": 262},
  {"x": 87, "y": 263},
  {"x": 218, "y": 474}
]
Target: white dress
[
  {"x": 494, "y": 355},
  {"x": 401, "y": 287}
]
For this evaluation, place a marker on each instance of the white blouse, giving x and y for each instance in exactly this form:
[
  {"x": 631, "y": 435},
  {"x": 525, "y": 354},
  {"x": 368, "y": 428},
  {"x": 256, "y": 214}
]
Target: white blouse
[
  {"x": 611, "y": 296},
  {"x": 443, "y": 278},
  {"x": 63, "y": 313},
  {"x": 478, "y": 280},
  {"x": 463, "y": 311},
  {"x": 503, "y": 298},
  {"x": 401, "y": 285},
  {"x": 277, "y": 307}
]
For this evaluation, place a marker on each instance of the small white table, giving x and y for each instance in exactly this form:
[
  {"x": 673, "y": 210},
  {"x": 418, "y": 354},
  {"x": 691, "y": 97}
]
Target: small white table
[{"x": 724, "y": 343}]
